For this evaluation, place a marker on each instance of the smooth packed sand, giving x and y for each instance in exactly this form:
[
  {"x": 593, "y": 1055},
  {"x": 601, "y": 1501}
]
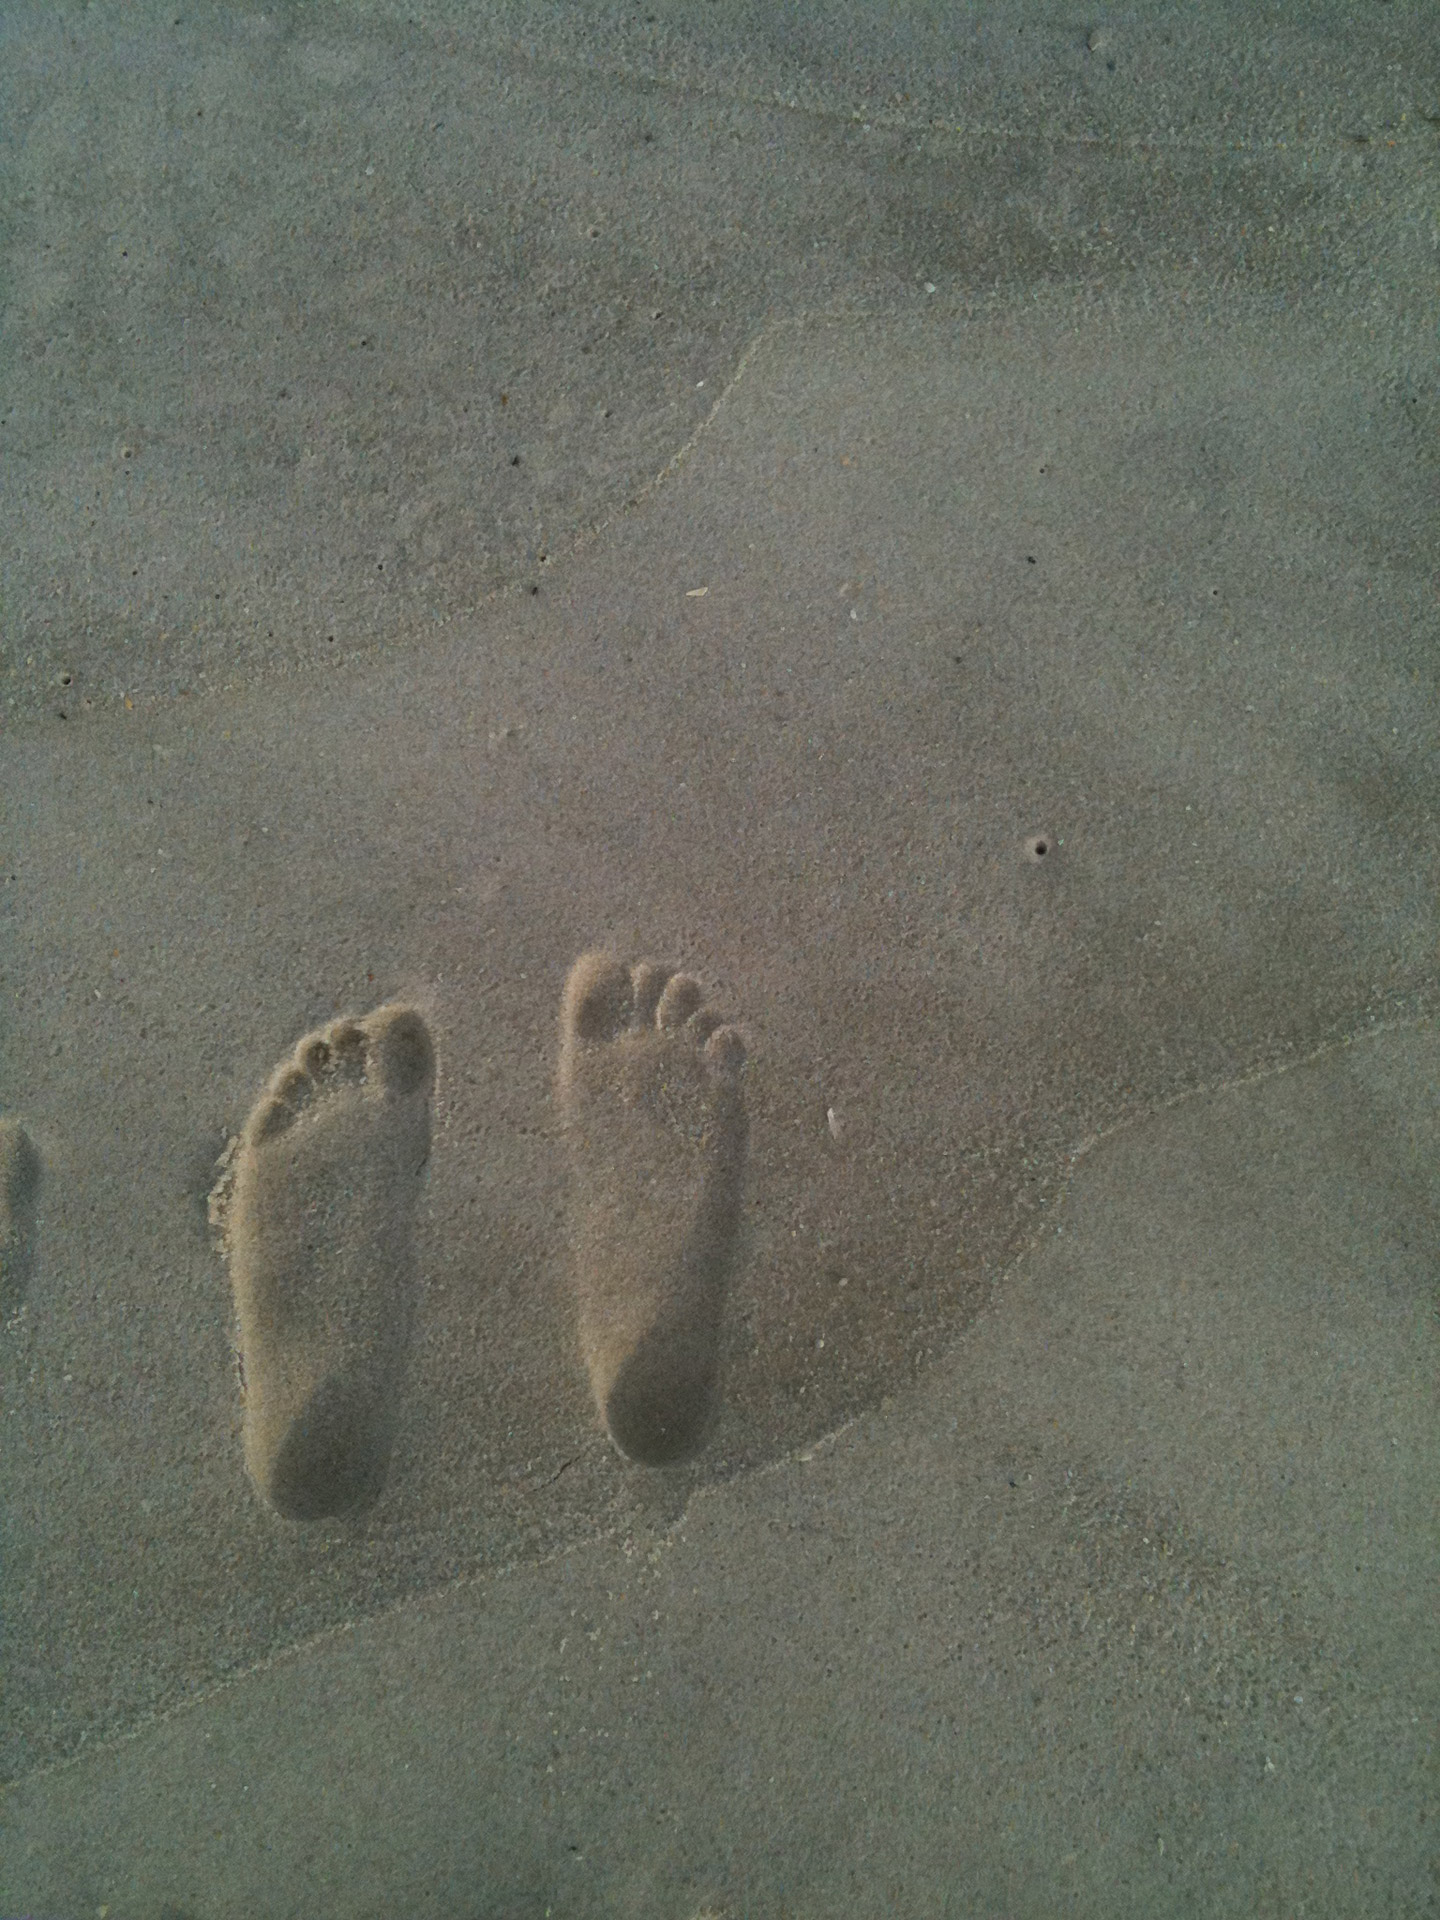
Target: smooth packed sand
[{"x": 541, "y": 548}]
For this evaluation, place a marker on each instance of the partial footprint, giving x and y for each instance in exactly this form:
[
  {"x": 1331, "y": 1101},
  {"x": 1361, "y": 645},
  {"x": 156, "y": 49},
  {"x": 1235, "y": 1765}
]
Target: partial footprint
[
  {"x": 650, "y": 1095},
  {"x": 19, "y": 1190},
  {"x": 317, "y": 1212}
]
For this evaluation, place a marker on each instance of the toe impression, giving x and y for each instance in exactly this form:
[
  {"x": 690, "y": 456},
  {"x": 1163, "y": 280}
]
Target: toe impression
[{"x": 649, "y": 1090}]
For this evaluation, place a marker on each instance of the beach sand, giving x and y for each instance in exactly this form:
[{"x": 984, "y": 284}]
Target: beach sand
[
  {"x": 1123, "y": 1608},
  {"x": 932, "y": 537}
]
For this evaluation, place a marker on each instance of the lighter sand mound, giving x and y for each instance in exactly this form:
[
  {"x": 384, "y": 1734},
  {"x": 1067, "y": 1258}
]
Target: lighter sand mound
[
  {"x": 19, "y": 1190},
  {"x": 650, "y": 1094},
  {"x": 318, "y": 1225}
]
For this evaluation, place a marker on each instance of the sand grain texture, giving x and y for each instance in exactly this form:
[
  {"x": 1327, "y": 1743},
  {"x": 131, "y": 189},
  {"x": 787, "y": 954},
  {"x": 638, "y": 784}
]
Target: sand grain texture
[
  {"x": 318, "y": 1227},
  {"x": 1151, "y": 1558},
  {"x": 20, "y": 1173},
  {"x": 649, "y": 1093},
  {"x": 486, "y": 490}
]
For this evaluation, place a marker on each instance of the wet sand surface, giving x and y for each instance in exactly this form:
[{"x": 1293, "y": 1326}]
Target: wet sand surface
[
  {"x": 1123, "y": 1608},
  {"x": 941, "y": 550}
]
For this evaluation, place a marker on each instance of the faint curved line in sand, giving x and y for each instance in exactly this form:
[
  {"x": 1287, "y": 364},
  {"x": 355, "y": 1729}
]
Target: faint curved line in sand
[{"x": 586, "y": 537}]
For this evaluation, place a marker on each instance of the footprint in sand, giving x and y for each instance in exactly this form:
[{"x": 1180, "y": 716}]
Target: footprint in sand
[
  {"x": 316, "y": 1212},
  {"x": 649, "y": 1090},
  {"x": 19, "y": 1189}
]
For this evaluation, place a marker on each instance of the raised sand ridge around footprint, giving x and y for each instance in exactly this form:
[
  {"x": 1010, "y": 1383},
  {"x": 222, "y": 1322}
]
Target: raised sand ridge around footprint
[
  {"x": 649, "y": 1088},
  {"x": 317, "y": 1216}
]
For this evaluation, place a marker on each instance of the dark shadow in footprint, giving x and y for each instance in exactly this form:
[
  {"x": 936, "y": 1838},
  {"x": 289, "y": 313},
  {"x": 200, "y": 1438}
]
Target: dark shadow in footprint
[
  {"x": 650, "y": 1094},
  {"x": 317, "y": 1213},
  {"x": 19, "y": 1191}
]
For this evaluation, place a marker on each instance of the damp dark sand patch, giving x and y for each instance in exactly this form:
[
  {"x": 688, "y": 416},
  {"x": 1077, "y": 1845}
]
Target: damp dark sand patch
[{"x": 20, "y": 1170}]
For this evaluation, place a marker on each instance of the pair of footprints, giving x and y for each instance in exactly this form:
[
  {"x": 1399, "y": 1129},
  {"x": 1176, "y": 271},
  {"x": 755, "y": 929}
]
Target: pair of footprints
[{"x": 317, "y": 1205}]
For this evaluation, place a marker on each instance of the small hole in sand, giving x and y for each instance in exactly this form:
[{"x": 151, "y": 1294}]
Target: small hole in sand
[{"x": 1038, "y": 847}]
